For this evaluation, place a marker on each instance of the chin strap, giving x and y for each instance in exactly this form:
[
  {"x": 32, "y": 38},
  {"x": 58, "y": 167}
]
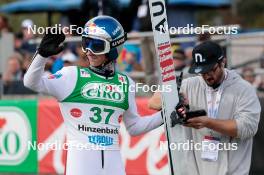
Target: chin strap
[{"x": 107, "y": 69}]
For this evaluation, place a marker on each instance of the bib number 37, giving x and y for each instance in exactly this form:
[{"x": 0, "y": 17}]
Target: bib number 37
[{"x": 97, "y": 114}]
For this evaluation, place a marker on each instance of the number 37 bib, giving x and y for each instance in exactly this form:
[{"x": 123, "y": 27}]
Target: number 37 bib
[{"x": 92, "y": 112}]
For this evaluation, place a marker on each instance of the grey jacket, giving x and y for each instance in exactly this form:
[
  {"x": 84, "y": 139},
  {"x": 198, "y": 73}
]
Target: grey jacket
[{"x": 239, "y": 102}]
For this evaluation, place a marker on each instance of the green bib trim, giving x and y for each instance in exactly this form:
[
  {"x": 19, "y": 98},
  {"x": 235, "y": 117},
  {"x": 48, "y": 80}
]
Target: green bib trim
[{"x": 91, "y": 88}]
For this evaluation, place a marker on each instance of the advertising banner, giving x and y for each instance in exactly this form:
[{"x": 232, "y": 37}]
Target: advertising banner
[
  {"x": 31, "y": 131},
  {"x": 18, "y": 130},
  {"x": 141, "y": 154}
]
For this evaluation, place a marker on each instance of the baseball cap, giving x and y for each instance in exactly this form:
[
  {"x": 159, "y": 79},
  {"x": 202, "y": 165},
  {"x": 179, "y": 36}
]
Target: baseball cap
[{"x": 205, "y": 56}]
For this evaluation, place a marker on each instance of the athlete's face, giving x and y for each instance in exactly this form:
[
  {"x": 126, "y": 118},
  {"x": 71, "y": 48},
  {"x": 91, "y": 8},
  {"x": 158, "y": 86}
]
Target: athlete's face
[
  {"x": 95, "y": 60},
  {"x": 215, "y": 75}
]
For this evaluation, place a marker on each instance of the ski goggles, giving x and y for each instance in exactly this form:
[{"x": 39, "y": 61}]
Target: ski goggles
[{"x": 100, "y": 46}]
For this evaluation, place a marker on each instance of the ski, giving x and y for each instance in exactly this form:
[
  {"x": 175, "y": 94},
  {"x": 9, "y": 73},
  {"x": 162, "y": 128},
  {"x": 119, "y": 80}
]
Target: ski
[{"x": 166, "y": 72}]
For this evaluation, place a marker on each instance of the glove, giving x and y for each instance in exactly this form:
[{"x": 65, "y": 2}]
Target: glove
[{"x": 51, "y": 44}]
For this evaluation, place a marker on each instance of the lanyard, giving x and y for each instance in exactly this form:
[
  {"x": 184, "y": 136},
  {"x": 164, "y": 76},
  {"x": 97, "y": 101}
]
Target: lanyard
[{"x": 213, "y": 103}]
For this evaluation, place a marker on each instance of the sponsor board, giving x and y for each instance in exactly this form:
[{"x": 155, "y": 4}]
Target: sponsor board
[
  {"x": 17, "y": 128},
  {"x": 141, "y": 154}
]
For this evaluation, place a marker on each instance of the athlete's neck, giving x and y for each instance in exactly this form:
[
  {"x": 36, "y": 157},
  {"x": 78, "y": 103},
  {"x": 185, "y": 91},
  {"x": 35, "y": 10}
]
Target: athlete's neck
[{"x": 106, "y": 70}]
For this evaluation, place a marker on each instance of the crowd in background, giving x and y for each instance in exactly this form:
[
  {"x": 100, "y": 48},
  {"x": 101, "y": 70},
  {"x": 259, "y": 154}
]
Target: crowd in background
[{"x": 133, "y": 58}]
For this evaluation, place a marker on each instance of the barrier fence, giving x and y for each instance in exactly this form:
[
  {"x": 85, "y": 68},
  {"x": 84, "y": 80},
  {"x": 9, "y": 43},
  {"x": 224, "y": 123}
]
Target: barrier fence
[{"x": 25, "y": 123}]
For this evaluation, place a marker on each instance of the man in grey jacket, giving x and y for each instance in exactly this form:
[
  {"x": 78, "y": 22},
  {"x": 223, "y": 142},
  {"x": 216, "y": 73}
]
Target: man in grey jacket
[{"x": 233, "y": 113}]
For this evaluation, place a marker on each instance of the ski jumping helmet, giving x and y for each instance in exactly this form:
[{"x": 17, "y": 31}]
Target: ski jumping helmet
[{"x": 103, "y": 35}]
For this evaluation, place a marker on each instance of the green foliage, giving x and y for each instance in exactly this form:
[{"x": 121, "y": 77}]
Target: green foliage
[
  {"x": 39, "y": 19},
  {"x": 207, "y": 17},
  {"x": 251, "y": 13}
]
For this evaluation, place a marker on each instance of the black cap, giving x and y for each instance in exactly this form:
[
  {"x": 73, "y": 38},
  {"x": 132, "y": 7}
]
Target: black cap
[{"x": 205, "y": 56}]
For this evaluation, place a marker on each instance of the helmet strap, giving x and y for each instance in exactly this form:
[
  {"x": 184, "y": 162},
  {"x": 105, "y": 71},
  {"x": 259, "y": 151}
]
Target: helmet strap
[{"x": 118, "y": 41}]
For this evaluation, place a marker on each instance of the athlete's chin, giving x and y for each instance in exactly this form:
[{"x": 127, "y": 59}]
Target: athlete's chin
[
  {"x": 93, "y": 61},
  {"x": 94, "y": 64}
]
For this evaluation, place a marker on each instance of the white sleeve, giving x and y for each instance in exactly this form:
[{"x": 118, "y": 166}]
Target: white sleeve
[
  {"x": 60, "y": 85},
  {"x": 135, "y": 124}
]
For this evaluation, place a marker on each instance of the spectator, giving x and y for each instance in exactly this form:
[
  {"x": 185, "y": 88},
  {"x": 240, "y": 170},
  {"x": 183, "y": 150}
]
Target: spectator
[
  {"x": 27, "y": 36},
  {"x": 181, "y": 62},
  {"x": 18, "y": 42},
  {"x": 65, "y": 59},
  {"x": 68, "y": 33},
  {"x": 4, "y": 26},
  {"x": 142, "y": 23},
  {"x": 179, "y": 57},
  {"x": 203, "y": 37},
  {"x": 26, "y": 26},
  {"x": 188, "y": 55},
  {"x": 27, "y": 58},
  {"x": 14, "y": 69},
  {"x": 101, "y": 7},
  {"x": 69, "y": 59},
  {"x": 249, "y": 75},
  {"x": 13, "y": 76}
]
